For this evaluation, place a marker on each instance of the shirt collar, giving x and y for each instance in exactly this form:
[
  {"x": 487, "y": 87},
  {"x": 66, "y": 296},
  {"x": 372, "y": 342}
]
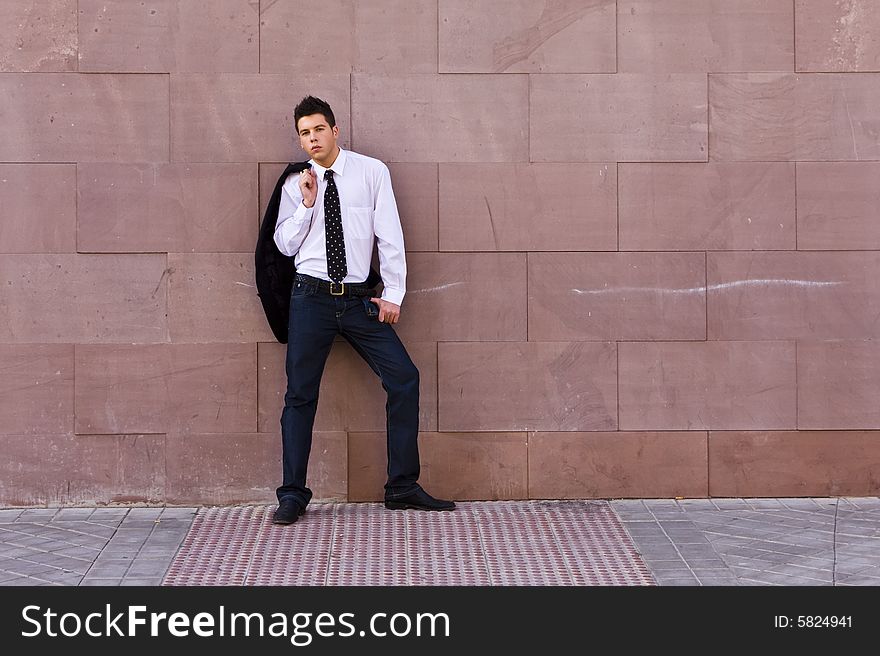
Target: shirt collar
[{"x": 337, "y": 168}]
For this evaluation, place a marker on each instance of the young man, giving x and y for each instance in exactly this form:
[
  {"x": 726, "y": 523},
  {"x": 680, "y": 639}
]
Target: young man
[{"x": 328, "y": 217}]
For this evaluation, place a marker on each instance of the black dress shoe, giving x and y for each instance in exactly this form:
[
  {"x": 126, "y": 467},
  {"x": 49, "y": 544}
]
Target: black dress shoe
[
  {"x": 288, "y": 512},
  {"x": 419, "y": 500}
]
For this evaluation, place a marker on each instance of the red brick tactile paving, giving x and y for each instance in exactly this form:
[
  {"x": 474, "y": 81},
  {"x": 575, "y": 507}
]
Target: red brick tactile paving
[{"x": 570, "y": 543}]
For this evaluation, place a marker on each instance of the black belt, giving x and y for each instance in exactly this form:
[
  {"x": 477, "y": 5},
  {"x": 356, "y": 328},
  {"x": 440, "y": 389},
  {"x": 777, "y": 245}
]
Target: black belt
[{"x": 336, "y": 288}]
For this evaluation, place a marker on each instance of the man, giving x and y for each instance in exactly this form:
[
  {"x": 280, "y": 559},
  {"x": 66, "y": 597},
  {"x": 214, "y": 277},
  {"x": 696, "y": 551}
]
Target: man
[{"x": 328, "y": 218}]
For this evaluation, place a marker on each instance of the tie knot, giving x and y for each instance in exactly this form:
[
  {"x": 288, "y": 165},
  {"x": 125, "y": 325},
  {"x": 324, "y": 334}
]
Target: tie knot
[{"x": 328, "y": 174}]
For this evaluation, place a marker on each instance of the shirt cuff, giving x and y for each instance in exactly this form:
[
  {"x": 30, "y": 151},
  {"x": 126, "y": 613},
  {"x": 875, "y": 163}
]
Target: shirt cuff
[{"x": 393, "y": 296}]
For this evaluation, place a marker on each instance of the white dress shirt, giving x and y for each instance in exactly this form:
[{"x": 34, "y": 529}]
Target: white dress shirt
[{"x": 368, "y": 210}]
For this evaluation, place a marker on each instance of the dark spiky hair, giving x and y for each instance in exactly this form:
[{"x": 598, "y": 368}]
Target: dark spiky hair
[{"x": 311, "y": 105}]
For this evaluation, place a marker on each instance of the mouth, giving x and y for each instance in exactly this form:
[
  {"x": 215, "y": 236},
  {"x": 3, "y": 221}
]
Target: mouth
[{"x": 314, "y": 148}]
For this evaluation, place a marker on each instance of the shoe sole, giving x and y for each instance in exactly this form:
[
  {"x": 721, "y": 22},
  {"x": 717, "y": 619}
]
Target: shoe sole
[{"x": 397, "y": 505}]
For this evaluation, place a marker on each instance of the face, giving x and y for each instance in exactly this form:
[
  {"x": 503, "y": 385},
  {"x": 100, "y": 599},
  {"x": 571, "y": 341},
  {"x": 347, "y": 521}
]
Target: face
[{"x": 318, "y": 139}]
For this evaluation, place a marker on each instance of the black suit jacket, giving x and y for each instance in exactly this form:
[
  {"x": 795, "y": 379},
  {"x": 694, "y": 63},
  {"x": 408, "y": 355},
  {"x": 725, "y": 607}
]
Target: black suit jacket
[{"x": 273, "y": 270}]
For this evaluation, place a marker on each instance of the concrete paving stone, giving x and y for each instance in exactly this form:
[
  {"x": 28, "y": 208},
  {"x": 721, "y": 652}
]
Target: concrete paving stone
[
  {"x": 669, "y": 513},
  {"x": 652, "y": 540},
  {"x": 119, "y": 550},
  {"x": 634, "y": 518},
  {"x": 799, "y": 504},
  {"x": 136, "y": 527},
  {"x": 764, "y": 504},
  {"x": 26, "y": 568},
  {"x": 746, "y": 581},
  {"x": 859, "y": 517},
  {"x": 799, "y": 569},
  {"x": 690, "y": 505},
  {"x": 110, "y": 557},
  {"x": 104, "y": 514},
  {"x": 858, "y": 580},
  {"x": 53, "y": 534},
  {"x": 638, "y": 509},
  {"x": 663, "y": 565},
  {"x": 729, "y": 504},
  {"x": 173, "y": 522},
  {"x": 713, "y": 560},
  {"x": 687, "y": 536},
  {"x": 26, "y": 581},
  {"x": 859, "y": 560},
  {"x": 855, "y": 531},
  {"x": 144, "y": 513},
  {"x": 784, "y": 514},
  {"x": 8, "y": 576},
  {"x": 73, "y": 513},
  {"x": 825, "y": 502},
  {"x": 627, "y": 504},
  {"x": 717, "y": 581},
  {"x": 143, "y": 581},
  {"x": 169, "y": 532},
  {"x": 115, "y": 559},
  {"x": 659, "y": 553},
  {"x": 32, "y": 514},
  {"x": 126, "y": 542},
  {"x": 809, "y": 548},
  {"x": 789, "y": 579},
  {"x": 643, "y": 520},
  {"x": 753, "y": 564},
  {"x": 864, "y": 503},
  {"x": 156, "y": 546},
  {"x": 851, "y": 569},
  {"x": 9, "y": 514},
  {"x": 849, "y": 503},
  {"x": 677, "y": 580},
  {"x": 148, "y": 568},
  {"x": 680, "y": 520},
  {"x": 11, "y": 551},
  {"x": 95, "y": 582},
  {"x": 765, "y": 556},
  {"x": 714, "y": 572},
  {"x": 645, "y": 530},
  {"x": 104, "y": 570},
  {"x": 86, "y": 553},
  {"x": 700, "y": 554},
  {"x": 181, "y": 513},
  {"x": 84, "y": 541},
  {"x": 129, "y": 524},
  {"x": 33, "y": 542},
  {"x": 58, "y": 560},
  {"x": 728, "y": 540},
  {"x": 660, "y": 503},
  {"x": 83, "y": 528},
  {"x": 62, "y": 578},
  {"x": 166, "y": 537},
  {"x": 165, "y": 556}
]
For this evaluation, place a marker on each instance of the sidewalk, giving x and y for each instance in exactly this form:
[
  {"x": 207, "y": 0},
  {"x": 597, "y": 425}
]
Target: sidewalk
[{"x": 727, "y": 542}]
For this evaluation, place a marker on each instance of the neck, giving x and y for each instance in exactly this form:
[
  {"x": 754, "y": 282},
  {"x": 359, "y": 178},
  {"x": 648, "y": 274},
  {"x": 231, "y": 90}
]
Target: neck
[{"x": 327, "y": 162}]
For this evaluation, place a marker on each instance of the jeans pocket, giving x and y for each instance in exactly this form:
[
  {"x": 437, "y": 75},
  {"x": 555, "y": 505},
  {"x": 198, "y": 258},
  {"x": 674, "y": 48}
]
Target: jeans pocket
[{"x": 370, "y": 308}]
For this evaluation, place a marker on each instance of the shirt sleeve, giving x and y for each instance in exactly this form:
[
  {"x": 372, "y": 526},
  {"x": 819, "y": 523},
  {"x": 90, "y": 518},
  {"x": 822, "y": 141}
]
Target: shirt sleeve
[
  {"x": 389, "y": 240},
  {"x": 294, "y": 218}
]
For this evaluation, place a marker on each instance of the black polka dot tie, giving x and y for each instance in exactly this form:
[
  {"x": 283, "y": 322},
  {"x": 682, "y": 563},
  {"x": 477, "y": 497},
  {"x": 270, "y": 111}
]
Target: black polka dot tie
[{"x": 336, "y": 266}]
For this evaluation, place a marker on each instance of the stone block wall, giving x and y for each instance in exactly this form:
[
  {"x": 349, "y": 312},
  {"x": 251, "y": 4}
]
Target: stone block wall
[{"x": 643, "y": 236}]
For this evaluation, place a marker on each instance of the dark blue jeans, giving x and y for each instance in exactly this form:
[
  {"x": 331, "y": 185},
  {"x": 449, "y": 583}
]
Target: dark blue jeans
[{"x": 316, "y": 318}]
